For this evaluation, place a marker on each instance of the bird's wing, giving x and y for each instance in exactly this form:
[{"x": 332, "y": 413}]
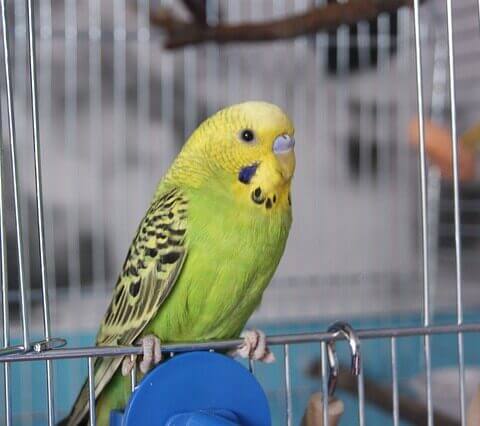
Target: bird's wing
[{"x": 150, "y": 270}]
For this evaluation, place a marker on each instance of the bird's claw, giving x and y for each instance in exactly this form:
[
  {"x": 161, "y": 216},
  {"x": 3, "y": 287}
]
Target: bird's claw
[
  {"x": 127, "y": 364},
  {"x": 254, "y": 347},
  {"x": 152, "y": 355}
]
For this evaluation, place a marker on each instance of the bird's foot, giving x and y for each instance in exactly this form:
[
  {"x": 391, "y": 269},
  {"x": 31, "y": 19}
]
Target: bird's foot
[
  {"x": 152, "y": 355},
  {"x": 254, "y": 347}
]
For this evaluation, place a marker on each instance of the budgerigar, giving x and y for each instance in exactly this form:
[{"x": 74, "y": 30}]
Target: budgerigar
[{"x": 206, "y": 249}]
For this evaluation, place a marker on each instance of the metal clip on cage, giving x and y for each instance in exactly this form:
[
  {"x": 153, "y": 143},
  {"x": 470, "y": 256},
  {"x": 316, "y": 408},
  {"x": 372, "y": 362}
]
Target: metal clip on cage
[{"x": 344, "y": 329}]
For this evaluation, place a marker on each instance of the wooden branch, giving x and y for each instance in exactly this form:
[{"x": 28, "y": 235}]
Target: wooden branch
[
  {"x": 411, "y": 409},
  {"x": 198, "y": 10},
  {"x": 181, "y": 33},
  {"x": 314, "y": 412}
]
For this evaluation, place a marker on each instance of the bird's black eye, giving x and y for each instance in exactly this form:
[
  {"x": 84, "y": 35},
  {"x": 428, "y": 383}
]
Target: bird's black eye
[{"x": 247, "y": 135}]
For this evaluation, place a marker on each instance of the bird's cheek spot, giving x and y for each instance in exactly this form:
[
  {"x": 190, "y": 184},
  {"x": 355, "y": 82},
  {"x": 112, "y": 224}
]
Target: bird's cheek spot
[{"x": 257, "y": 196}]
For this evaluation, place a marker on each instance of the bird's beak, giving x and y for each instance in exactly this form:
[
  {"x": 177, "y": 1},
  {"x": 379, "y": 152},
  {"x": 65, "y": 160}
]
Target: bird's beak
[{"x": 283, "y": 150}]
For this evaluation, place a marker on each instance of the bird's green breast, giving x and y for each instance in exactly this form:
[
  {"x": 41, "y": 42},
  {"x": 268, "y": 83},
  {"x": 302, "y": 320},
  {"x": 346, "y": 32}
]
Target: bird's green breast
[{"x": 233, "y": 249}]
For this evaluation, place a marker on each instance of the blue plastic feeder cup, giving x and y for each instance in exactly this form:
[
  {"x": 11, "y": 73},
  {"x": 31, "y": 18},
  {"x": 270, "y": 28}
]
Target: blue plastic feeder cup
[{"x": 196, "y": 389}]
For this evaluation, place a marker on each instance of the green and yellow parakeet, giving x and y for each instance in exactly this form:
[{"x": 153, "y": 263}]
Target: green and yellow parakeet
[{"x": 205, "y": 250}]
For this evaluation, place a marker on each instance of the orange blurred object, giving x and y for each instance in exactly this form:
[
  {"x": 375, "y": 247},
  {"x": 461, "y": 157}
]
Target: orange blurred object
[
  {"x": 473, "y": 415},
  {"x": 438, "y": 147}
]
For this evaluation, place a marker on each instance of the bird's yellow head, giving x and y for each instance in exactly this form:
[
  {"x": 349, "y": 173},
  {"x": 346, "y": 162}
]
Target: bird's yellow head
[{"x": 247, "y": 146}]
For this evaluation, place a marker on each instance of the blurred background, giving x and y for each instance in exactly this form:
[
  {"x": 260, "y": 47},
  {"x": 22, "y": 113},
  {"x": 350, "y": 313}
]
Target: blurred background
[{"x": 120, "y": 90}]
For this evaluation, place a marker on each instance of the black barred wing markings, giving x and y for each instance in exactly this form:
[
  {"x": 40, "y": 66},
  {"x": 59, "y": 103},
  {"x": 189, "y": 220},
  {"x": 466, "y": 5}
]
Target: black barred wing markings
[
  {"x": 156, "y": 251},
  {"x": 149, "y": 272}
]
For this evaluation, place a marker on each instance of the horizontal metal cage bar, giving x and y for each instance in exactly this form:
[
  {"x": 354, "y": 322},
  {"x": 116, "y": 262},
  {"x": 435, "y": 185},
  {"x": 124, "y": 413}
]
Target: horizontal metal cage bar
[{"x": 106, "y": 351}]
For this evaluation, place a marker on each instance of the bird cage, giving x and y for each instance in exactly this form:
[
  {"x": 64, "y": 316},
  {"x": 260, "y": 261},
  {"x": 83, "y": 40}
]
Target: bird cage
[{"x": 97, "y": 98}]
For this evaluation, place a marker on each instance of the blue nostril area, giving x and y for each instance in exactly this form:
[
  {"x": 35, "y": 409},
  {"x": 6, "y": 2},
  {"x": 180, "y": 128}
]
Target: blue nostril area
[
  {"x": 246, "y": 173},
  {"x": 283, "y": 143}
]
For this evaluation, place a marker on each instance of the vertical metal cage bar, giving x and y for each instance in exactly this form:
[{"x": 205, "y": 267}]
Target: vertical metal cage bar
[
  {"x": 299, "y": 97},
  {"x": 30, "y": 29},
  {"x": 6, "y": 388},
  {"x": 382, "y": 116},
  {"x": 190, "y": 80},
  {"x": 279, "y": 10},
  {"x": 424, "y": 211},
  {"x": 364, "y": 60},
  {"x": 39, "y": 199},
  {"x": 96, "y": 150},
  {"x": 143, "y": 84},
  {"x": 233, "y": 74},
  {"x": 325, "y": 395},
  {"x": 288, "y": 386},
  {"x": 395, "y": 411},
  {"x": 50, "y": 393},
  {"x": 342, "y": 47},
  {"x": 259, "y": 84},
  {"x": 119, "y": 119},
  {"x": 19, "y": 80},
  {"x": 245, "y": 65},
  {"x": 4, "y": 278},
  {"x": 91, "y": 391},
  {"x": 213, "y": 58},
  {"x": 37, "y": 163},
  {"x": 45, "y": 77},
  {"x": 16, "y": 192},
  {"x": 133, "y": 374},
  {"x": 167, "y": 101},
  {"x": 437, "y": 112},
  {"x": 190, "y": 64},
  {"x": 320, "y": 108},
  {"x": 438, "y": 100},
  {"x": 404, "y": 66},
  {"x": 434, "y": 183},
  {"x": 73, "y": 231},
  {"x": 456, "y": 198},
  {"x": 385, "y": 122},
  {"x": 479, "y": 14},
  {"x": 361, "y": 399}
]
